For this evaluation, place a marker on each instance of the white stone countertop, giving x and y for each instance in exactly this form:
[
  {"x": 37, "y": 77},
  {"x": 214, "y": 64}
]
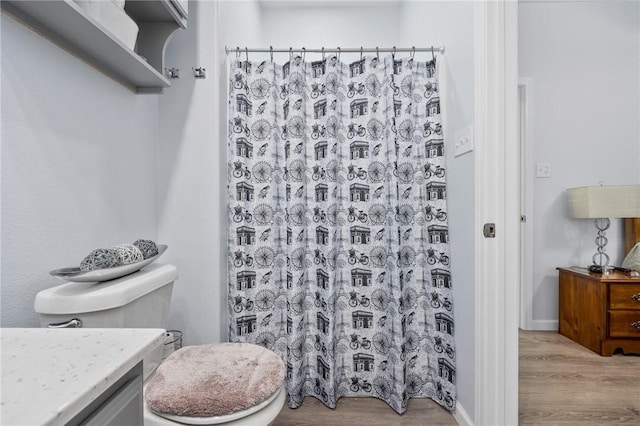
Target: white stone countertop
[{"x": 50, "y": 375}]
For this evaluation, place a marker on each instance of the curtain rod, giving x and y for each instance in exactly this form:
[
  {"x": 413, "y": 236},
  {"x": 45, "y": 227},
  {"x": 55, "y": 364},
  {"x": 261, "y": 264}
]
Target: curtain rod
[{"x": 335, "y": 50}]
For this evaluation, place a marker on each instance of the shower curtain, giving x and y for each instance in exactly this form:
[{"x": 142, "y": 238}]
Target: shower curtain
[{"x": 338, "y": 236}]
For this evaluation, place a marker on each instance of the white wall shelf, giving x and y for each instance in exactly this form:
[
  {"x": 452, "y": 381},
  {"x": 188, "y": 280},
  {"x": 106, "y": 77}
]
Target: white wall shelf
[{"x": 69, "y": 26}]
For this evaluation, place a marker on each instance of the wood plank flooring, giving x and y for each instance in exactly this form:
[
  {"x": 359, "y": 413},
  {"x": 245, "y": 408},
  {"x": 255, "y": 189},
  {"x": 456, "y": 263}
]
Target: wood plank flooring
[
  {"x": 561, "y": 383},
  {"x": 364, "y": 412},
  {"x": 564, "y": 383}
]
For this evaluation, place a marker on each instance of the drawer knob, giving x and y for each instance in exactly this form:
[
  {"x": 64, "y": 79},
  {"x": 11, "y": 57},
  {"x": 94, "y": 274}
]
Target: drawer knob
[
  {"x": 636, "y": 325},
  {"x": 636, "y": 297}
]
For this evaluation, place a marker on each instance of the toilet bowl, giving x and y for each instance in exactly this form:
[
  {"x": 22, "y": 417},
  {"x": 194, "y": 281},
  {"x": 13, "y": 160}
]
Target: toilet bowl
[{"x": 139, "y": 300}]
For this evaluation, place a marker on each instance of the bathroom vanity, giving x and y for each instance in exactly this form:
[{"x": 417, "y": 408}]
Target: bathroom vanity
[{"x": 74, "y": 376}]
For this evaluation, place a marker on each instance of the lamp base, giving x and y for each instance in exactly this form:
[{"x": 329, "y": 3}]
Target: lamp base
[
  {"x": 607, "y": 269},
  {"x": 595, "y": 268},
  {"x": 601, "y": 258}
]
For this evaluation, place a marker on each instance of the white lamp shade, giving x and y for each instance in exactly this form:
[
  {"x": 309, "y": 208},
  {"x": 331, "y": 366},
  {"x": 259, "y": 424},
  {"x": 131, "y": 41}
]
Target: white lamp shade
[{"x": 592, "y": 202}]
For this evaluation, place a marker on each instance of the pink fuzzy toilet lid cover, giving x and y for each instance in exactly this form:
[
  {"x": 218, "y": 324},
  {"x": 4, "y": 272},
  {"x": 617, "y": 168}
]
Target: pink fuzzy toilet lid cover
[{"x": 214, "y": 380}]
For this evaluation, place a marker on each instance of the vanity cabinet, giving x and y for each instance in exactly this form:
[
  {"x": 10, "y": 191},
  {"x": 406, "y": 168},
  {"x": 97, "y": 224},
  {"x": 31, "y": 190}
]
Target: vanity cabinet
[
  {"x": 600, "y": 311},
  {"x": 74, "y": 376},
  {"x": 67, "y": 24},
  {"x": 121, "y": 404}
]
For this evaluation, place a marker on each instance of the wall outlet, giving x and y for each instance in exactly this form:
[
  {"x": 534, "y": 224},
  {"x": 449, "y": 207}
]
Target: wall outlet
[
  {"x": 543, "y": 170},
  {"x": 463, "y": 141}
]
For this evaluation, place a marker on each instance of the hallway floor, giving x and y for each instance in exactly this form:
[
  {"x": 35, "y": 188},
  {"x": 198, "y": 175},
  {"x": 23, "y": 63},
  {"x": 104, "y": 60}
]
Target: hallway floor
[{"x": 564, "y": 383}]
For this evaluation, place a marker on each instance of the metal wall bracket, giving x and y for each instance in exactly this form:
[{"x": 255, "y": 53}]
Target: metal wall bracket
[
  {"x": 200, "y": 72},
  {"x": 173, "y": 73}
]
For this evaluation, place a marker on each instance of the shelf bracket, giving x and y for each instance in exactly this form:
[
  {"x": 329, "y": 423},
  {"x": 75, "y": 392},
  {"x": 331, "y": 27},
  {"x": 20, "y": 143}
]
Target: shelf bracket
[
  {"x": 173, "y": 73},
  {"x": 200, "y": 72}
]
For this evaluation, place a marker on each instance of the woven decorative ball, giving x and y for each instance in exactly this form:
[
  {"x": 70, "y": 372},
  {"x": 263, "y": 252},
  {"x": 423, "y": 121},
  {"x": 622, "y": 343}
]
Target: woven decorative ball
[
  {"x": 128, "y": 253},
  {"x": 100, "y": 259},
  {"x": 147, "y": 247}
]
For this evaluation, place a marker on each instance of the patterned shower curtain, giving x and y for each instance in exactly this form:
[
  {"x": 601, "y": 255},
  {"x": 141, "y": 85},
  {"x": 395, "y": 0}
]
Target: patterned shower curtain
[{"x": 338, "y": 236}]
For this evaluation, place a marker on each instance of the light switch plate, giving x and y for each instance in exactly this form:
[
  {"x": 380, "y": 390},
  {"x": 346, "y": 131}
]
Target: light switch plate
[{"x": 463, "y": 141}]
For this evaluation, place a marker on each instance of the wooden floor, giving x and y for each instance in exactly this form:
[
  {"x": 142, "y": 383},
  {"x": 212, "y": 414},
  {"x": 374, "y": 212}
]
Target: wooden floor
[
  {"x": 564, "y": 383},
  {"x": 364, "y": 412},
  {"x": 561, "y": 383}
]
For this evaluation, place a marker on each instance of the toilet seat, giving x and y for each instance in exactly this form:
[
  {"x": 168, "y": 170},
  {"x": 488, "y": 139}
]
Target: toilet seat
[
  {"x": 276, "y": 400},
  {"x": 222, "y": 383}
]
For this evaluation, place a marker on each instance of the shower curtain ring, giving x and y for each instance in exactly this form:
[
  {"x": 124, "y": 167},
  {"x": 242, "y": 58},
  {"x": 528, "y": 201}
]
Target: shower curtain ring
[
  {"x": 290, "y": 53},
  {"x": 377, "y": 53},
  {"x": 246, "y": 53},
  {"x": 304, "y": 54},
  {"x": 237, "y": 51},
  {"x": 361, "y": 52},
  {"x": 393, "y": 53},
  {"x": 323, "y": 53},
  {"x": 433, "y": 54},
  {"x": 413, "y": 52},
  {"x": 339, "y": 52},
  {"x": 271, "y": 52}
]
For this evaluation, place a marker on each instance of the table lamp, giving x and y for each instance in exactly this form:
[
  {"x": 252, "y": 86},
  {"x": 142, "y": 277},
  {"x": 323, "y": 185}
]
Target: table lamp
[{"x": 601, "y": 203}]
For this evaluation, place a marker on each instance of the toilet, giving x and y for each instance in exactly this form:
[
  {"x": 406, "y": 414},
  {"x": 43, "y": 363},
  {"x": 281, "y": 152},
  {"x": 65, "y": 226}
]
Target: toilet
[{"x": 141, "y": 300}]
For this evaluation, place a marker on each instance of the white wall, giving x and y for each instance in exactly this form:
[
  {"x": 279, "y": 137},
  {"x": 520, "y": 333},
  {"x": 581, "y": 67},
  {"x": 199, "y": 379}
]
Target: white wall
[
  {"x": 584, "y": 61},
  {"x": 451, "y": 24},
  {"x": 193, "y": 138},
  {"x": 192, "y": 184},
  {"x": 78, "y": 166}
]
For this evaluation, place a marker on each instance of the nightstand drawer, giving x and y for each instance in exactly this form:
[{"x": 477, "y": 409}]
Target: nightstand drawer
[
  {"x": 624, "y": 324},
  {"x": 623, "y": 296}
]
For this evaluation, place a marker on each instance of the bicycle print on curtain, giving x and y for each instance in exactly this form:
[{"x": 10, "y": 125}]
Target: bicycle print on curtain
[{"x": 338, "y": 236}]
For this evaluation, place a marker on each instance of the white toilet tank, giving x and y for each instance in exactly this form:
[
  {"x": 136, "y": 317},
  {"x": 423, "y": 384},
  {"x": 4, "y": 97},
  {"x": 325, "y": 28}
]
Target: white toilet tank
[{"x": 138, "y": 300}]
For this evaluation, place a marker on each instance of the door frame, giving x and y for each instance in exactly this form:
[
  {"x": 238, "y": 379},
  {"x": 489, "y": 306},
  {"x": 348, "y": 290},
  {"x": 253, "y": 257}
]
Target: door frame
[
  {"x": 497, "y": 181},
  {"x": 525, "y": 118}
]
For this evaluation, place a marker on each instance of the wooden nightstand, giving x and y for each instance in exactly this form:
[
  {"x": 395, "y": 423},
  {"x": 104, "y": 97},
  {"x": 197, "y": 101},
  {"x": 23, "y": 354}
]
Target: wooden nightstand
[{"x": 601, "y": 312}]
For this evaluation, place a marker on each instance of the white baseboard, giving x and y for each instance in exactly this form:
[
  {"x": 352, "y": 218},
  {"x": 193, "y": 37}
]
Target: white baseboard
[
  {"x": 461, "y": 415},
  {"x": 544, "y": 325}
]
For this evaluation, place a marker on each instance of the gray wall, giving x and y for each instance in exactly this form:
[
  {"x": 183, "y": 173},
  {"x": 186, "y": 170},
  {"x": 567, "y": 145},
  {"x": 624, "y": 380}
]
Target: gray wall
[
  {"x": 584, "y": 62},
  {"x": 193, "y": 138},
  {"x": 78, "y": 166}
]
